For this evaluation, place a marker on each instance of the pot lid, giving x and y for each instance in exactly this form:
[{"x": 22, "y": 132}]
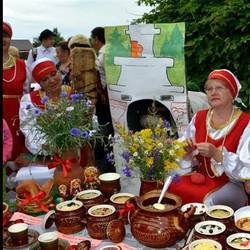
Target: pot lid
[
  {"x": 116, "y": 231},
  {"x": 49, "y": 219}
]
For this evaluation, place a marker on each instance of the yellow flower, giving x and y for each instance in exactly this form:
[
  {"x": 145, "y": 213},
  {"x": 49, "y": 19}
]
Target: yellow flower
[
  {"x": 149, "y": 161},
  {"x": 168, "y": 165}
]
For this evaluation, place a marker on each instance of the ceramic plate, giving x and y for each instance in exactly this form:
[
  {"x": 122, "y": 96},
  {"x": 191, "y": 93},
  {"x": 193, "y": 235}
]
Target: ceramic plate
[{"x": 200, "y": 208}]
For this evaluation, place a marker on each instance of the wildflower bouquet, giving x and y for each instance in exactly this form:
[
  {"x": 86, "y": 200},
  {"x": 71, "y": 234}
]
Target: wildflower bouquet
[
  {"x": 66, "y": 124},
  {"x": 153, "y": 150}
]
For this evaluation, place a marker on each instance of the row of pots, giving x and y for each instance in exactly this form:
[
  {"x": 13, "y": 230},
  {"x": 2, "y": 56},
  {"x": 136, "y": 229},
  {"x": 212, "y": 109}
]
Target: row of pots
[{"x": 92, "y": 209}]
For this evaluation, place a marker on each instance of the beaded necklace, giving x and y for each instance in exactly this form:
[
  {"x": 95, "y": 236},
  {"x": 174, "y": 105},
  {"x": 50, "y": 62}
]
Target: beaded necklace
[
  {"x": 7, "y": 65},
  {"x": 223, "y": 142}
]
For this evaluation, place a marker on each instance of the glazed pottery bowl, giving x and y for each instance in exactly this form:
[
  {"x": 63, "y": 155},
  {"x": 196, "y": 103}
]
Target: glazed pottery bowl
[
  {"x": 69, "y": 217},
  {"x": 98, "y": 218},
  {"x": 242, "y": 219},
  {"x": 110, "y": 183},
  {"x": 222, "y": 214},
  {"x": 238, "y": 241},
  {"x": 203, "y": 244},
  {"x": 90, "y": 198},
  {"x": 210, "y": 229},
  {"x": 118, "y": 201}
]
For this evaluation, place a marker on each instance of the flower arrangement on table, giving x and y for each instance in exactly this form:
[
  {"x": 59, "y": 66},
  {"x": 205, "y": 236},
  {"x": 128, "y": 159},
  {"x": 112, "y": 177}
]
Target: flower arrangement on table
[
  {"x": 155, "y": 151},
  {"x": 66, "y": 124}
]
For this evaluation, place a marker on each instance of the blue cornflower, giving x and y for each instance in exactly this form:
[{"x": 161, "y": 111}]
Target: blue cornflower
[
  {"x": 63, "y": 94},
  {"x": 167, "y": 123},
  {"x": 75, "y": 132},
  {"x": 127, "y": 171},
  {"x": 45, "y": 99},
  {"x": 176, "y": 178},
  {"x": 28, "y": 106},
  {"x": 126, "y": 155},
  {"x": 85, "y": 134},
  {"x": 88, "y": 103},
  {"x": 110, "y": 157},
  {"x": 81, "y": 95},
  {"x": 36, "y": 112}
]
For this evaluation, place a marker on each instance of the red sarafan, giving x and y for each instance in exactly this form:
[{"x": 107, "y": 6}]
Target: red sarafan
[{"x": 198, "y": 178}]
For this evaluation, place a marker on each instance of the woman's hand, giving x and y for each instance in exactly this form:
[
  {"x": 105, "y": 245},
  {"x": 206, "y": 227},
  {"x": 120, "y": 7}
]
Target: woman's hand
[{"x": 209, "y": 150}]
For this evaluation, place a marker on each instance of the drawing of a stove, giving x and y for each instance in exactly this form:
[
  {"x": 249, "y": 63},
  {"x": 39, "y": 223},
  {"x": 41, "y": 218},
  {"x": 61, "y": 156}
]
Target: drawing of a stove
[{"x": 143, "y": 78}]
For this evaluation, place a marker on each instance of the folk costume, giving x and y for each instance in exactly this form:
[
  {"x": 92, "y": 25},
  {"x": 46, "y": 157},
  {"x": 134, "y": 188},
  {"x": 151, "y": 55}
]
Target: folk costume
[
  {"x": 221, "y": 182},
  {"x": 32, "y": 101},
  {"x": 15, "y": 83}
]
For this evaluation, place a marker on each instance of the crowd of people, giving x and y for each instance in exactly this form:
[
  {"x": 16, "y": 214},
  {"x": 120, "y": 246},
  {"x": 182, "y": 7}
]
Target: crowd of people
[{"x": 218, "y": 138}]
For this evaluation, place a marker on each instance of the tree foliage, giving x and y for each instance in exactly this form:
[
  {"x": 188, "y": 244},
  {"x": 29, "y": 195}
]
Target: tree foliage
[
  {"x": 58, "y": 38},
  {"x": 217, "y": 36}
]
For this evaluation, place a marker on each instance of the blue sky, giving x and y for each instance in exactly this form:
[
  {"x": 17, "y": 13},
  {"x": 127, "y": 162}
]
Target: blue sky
[{"x": 29, "y": 17}]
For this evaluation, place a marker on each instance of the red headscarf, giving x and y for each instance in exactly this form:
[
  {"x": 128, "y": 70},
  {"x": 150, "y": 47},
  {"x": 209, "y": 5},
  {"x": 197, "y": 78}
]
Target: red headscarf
[
  {"x": 7, "y": 29},
  {"x": 228, "y": 79},
  {"x": 41, "y": 68}
]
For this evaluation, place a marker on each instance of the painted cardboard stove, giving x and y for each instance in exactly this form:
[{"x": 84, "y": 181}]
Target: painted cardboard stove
[{"x": 145, "y": 63}]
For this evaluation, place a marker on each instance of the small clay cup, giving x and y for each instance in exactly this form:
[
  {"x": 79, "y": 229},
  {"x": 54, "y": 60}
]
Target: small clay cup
[
  {"x": 242, "y": 213},
  {"x": 118, "y": 201},
  {"x": 88, "y": 202},
  {"x": 226, "y": 220},
  {"x": 18, "y": 233},
  {"x": 48, "y": 241},
  {"x": 219, "y": 236},
  {"x": 230, "y": 245},
  {"x": 197, "y": 242},
  {"x": 110, "y": 183},
  {"x": 97, "y": 223}
]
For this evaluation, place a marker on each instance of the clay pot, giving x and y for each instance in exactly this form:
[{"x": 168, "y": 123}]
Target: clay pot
[
  {"x": 227, "y": 220},
  {"x": 193, "y": 245},
  {"x": 110, "y": 183},
  {"x": 90, "y": 198},
  {"x": 149, "y": 185},
  {"x": 158, "y": 228},
  {"x": 210, "y": 229},
  {"x": 68, "y": 186},
  {"x": 69, "y": 217},
  {"x": 6, "y": 214},
  {"x": 231, "y": 246},
  {"x": 98, "y": 218},
  {"x": 118, "y": 201},
  {"x": 242, "y": 219}
]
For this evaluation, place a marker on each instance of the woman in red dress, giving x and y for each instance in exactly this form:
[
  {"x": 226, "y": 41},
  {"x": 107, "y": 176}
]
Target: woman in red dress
[
  {"x": 14, "y": 77},
  {"x": 219, "y": 140}
]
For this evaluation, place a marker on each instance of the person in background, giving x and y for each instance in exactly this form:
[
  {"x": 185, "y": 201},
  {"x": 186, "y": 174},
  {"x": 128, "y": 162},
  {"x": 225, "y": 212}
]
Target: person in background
[
  {"x": 102, "y": 106},
  {"x": 83, "y": 73},
  {"x": 13, "y": 51},
  {"x": 63, "y": 66},
  {"x": 16, "y": 81},
  {"x": 46, "y": 48},
  {"x": 219, "y": 142}
]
